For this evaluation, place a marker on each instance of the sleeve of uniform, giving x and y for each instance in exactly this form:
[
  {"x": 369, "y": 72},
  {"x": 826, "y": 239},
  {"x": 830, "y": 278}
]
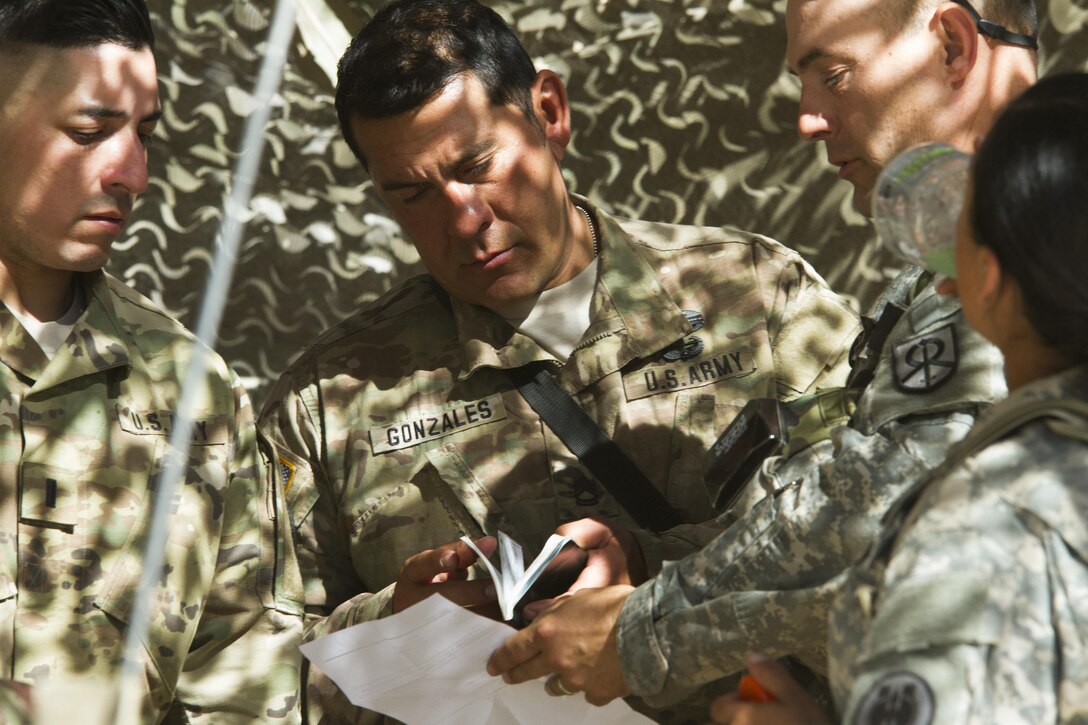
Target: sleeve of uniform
[
  {"x": 694, "y": 622},
  {"x": 960, "y": 631},
  {"x": 292, "y": 427},
  {"x": 811, "y": 329},
  {"x": 767, "y": 581},
  {"x": 244, "y": 664}
]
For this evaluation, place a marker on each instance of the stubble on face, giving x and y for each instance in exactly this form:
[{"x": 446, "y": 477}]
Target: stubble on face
[
  {"x": 478, "y": 190},
  {"x": 876, "y": 88},
  {"x": 76, "y": 120}
]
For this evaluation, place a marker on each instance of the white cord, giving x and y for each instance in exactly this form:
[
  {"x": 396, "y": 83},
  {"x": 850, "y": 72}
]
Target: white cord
[{"x": 207, "y": 332}]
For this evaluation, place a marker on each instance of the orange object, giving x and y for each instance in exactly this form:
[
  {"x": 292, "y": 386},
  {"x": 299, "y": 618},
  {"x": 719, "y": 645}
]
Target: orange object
[{"x": 749, "y": 690}]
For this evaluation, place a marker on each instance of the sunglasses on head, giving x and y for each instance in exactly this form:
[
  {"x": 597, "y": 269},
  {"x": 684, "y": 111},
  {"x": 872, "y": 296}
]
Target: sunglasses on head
[{"x": 992, "y": 30}]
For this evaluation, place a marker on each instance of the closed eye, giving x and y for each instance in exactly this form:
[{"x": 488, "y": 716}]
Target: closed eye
[{"x": 477, "y": 170}]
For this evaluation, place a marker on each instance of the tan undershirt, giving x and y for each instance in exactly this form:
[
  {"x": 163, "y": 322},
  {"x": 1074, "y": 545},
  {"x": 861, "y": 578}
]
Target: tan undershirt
[
  {"x": 51, "y": 335},
  {"x": 557, "y": 318}
]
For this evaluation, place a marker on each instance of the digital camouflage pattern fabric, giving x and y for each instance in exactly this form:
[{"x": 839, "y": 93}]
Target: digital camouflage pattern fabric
[
  {"x": 82, "y": 439},
  {"x": 767, "y": 582},
  {"x": 971, "y": 607},
  {"x": 399, "y": 429}
]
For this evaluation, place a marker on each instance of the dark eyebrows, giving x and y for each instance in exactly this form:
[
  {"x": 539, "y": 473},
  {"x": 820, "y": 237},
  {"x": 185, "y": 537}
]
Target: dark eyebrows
[
  {"x": 472, "y": 152},
  {"x": 101, "y": 112},
  {"x": 808, "y": 59},
  {"x": 477, "y": 149}
]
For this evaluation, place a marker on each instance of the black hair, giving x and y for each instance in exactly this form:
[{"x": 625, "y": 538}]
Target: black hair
[
  {"x": 412, "y": 49},
  {"x": 1030, "y": 185},
  {"x": 75, "y": 23}
]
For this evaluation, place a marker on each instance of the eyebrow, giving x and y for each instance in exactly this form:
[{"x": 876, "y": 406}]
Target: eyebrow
[
  {"x": 103, "y": 112},
  {"x": 808, "y": 59},
  {"x": 477, "y": 149}
]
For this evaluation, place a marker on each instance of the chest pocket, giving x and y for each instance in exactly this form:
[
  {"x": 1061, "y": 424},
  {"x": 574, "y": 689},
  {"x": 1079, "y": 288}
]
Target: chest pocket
[{"x": 427, "y": 510}]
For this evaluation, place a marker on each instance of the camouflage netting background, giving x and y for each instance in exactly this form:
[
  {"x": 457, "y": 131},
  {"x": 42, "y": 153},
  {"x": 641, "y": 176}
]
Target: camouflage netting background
[{"x": 683, "y": 112}]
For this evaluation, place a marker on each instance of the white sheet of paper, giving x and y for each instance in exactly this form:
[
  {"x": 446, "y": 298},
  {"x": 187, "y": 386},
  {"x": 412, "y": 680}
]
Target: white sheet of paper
[{"x": 427, "y": 665}]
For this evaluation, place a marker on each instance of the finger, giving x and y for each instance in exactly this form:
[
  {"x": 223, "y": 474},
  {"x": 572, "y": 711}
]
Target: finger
[
  {"x": 531, "y": 669},
  {"x": 467, "y": 593},
  {"x": 555, "y": 687},
  {"x": 776, "y": 679},
  {"x": 604, "y": 567},
  {"x": 515, "y": 650},
  {"x": 449, "y": 576},
  {"x": 727, "y": 710},
  {"x": 532, "y": 610},
  {"x": 422, "y": 568},
  {"x": 588, "y": 533},
  {"x": 486, "y": 544}
]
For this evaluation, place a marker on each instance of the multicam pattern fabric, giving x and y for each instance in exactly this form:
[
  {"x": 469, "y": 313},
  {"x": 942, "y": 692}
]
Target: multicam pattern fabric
[
  {"x": 766, "y": 583},
  {"x": 972, "y": 605},
  {"x": 403, "y": 431},
  {"x": 683, "y": 112},
  {"x": 82, "y": 438}
]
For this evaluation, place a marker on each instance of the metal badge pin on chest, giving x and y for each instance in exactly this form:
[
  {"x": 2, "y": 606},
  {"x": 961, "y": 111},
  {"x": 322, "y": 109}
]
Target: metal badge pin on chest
[
  {"x": 689, "y": 347},
  {"x": 592, "y": 229}
]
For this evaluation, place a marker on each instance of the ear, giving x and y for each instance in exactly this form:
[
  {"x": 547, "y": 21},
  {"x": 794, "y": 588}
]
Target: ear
[
  {"x": 552, "y": 111},
  {"x": 960, "y": 40},
  {"x": 991, "y": 277}
]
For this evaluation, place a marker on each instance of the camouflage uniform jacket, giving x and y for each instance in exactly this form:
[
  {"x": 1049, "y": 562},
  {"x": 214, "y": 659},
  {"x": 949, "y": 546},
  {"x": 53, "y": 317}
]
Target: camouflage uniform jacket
[
  {"x": 970, "y": 609},
  {"x": 766, "y": 583},
  {"x": 82, "y": 438},
  {"x": 399, "y": 430}
]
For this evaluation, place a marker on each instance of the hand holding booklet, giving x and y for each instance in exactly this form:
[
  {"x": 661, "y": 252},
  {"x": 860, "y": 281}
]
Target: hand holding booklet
[
  {"x": 550, "y": 574},
  {"x": 427, "y": 665}
]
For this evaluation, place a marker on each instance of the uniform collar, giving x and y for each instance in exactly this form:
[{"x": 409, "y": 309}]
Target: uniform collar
[
  {"x": 631, "y": 317},
  {"x": 96, "y": 343}
]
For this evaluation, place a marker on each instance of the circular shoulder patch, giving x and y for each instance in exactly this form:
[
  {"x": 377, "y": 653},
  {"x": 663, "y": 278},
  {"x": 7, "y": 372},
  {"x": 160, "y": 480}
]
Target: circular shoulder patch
[{"x": 898, "y": 698}]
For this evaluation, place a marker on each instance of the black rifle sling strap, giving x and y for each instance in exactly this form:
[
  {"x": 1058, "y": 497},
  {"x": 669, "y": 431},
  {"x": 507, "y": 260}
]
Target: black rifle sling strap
[{"x": 595, "y": 449}]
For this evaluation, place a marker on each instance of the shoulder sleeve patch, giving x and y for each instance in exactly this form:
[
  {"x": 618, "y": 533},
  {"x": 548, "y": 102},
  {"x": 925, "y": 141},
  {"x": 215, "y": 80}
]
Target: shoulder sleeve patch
[
  {"x": 897, "y": 698},
  {"x": 927, "y": 361}
]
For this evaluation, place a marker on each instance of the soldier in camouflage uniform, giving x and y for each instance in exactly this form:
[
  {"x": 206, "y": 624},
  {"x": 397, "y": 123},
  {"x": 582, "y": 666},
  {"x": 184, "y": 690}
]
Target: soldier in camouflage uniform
[
  {"x": 90, "y": 383},
  {"x": 970, "y": 607},
  {"x": 920, "y": 376},
  {"x": 401, "y": 429}
]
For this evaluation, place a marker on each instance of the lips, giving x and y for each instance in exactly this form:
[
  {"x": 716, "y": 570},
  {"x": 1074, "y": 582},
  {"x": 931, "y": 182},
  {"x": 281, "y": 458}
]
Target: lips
[
  {"x": 845, "y": 165},
  {"x": 491, "y": 260}
]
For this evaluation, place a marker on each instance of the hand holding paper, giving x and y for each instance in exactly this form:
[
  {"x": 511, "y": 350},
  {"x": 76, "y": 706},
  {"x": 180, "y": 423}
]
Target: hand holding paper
[{"x": 426, "y": 665}]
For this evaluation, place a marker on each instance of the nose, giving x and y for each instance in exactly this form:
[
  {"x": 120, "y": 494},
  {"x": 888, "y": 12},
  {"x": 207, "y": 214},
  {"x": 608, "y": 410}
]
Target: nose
[
  {"x": 127, "y": 165},
  {"x": 812, "y": 122},
  {"x": 470, "y": 214}
]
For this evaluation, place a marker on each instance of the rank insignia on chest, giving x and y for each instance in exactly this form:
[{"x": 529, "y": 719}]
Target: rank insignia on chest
[
  {"x": 925, "y": 362},
  {"x": 689, "y": 347}
]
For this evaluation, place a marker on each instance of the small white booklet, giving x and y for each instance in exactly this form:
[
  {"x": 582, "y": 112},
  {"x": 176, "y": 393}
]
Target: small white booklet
[{"x": 514, "y": 580}]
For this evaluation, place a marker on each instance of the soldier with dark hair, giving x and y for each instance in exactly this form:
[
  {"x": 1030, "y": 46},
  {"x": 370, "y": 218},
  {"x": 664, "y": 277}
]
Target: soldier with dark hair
[
  {"x": 89, "y": 390},
  {"x": 403, "y": 427}
]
